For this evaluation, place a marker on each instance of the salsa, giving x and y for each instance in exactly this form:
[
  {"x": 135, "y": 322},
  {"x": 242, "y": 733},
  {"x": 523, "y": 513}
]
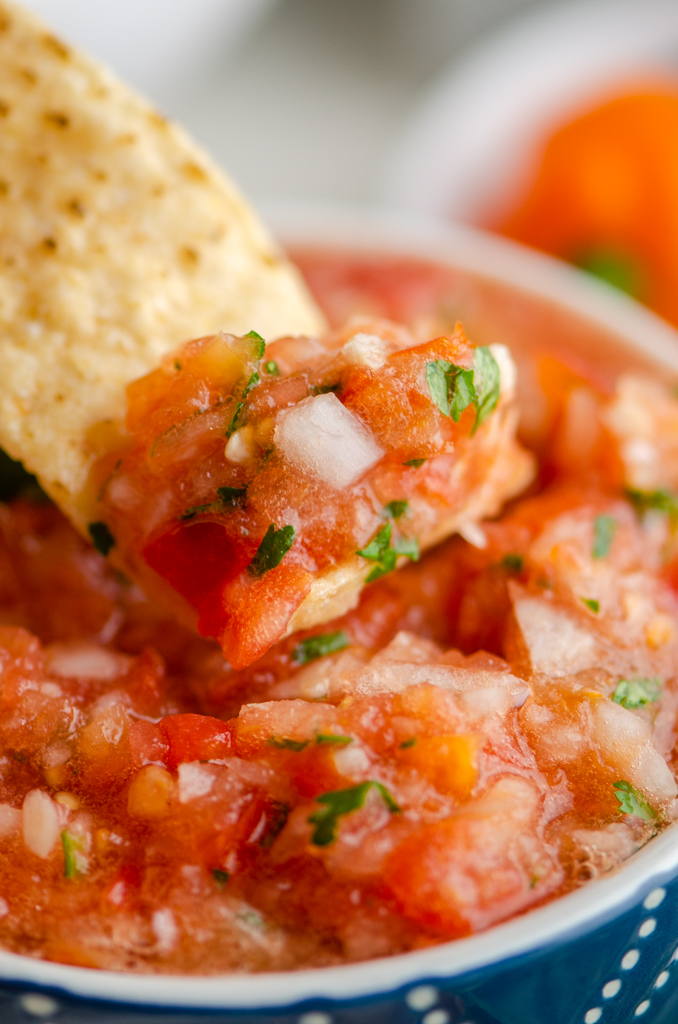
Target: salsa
[
  {"x": 489, "y": 727},
  {"x": 265, "y": 485}
]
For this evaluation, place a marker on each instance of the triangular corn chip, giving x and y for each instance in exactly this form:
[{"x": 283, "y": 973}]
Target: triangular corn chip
[{"x": 118, "y": 240}]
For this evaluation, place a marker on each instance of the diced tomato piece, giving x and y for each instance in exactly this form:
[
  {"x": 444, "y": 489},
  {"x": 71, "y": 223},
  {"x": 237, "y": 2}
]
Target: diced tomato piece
[
  {"x": 450, "y": 763},
  {"x": 195, "y": 738},
  {"x": 256, "y": 611},
  {"x": 124, "y": 888},
  {"x": 147, "y": 743},
  {"x": 197, "y": 559}
]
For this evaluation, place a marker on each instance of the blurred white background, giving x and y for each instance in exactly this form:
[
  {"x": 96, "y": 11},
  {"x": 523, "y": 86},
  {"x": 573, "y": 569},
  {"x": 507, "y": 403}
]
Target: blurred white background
[{"x": 295, "y": 98}]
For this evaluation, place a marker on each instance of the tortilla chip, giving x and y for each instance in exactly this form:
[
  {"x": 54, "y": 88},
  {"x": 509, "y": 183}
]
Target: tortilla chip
[{"x": 118, "y": 240}]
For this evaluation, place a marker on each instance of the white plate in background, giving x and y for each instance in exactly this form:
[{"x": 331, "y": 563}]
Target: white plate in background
[{"x": 473, "y": 136}]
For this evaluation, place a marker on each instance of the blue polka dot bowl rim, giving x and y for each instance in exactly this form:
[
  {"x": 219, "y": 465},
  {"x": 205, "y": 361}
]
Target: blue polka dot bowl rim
[{"x": 607, "y": 952}]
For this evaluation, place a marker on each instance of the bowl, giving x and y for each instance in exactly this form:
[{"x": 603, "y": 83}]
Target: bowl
[{"x": 605, "y": 952}]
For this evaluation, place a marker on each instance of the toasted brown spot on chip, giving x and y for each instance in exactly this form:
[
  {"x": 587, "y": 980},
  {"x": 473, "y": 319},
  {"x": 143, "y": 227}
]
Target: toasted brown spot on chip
[
  {"x": 56, "y": 46},
  {"x": 58, "y": 119}
]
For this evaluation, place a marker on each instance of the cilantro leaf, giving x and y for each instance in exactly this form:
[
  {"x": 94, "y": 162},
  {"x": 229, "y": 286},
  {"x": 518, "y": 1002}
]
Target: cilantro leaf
[
  {"x": 271, "y": 368},
  {"x": 636, "y": 693},
  {"x": 406, "y": 744},
  {"x": 415, "y": 463},
  {"x": 273, "y": 548},
  {"x": 378, "y": 545},
  {"x": 660, "y": 501},
  {"x": 75, "y": 861},
  {"x": 604, "y": 529},
  {"x": 341, "y": 802},
  {"x": 486, "y": 380},
  {"x": 102, "y": 538},
  {"x": 453, "y": 388},
  {"x": 226, "y": 496},
  {"x": 283, "y": 743},
  {"x": 259, "y": 345},
  {"x": 407, "y": 546},
  {"x": 397, "y": 509},
  {"x": 462, "y": 395},
  {"x": 379, "y": 550},
  {"x": 238, "y": 417},
  {"x": 319, "y": 646},
  {"x": 632, "y": 801},
  {"x": 591, "y": 604},
  {"x": 513, "y": 561},
  {"x": 337, "y": 741},
  {"x": 220, "y": 877}
]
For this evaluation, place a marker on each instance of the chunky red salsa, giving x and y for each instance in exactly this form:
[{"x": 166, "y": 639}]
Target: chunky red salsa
[{"x": 489, "y": 727}]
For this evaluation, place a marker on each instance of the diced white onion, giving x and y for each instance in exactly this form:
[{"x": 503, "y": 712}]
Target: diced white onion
[
  {"x": 239, "y": 447},
  {"x": 366, "y": 350},
  {"x": 165, "y": 929},
  {"x": 323, "y": 438},
  {"x": 86, "y": 661},
  {"x": 10, "y": 820},
  {"x": 41, "y": 825},
  {"x": 194, "y": 781},
  {"x": 473, "y": 534},
  {"x": 507, "y": 370},
  {"x": 558, "y": 646}
]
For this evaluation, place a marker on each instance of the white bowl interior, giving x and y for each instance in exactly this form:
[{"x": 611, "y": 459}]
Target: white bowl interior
[{"x": 633, "y": 326}]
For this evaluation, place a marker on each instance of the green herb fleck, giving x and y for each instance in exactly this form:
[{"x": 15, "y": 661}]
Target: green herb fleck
[
  {"x": 513, "y": 561},
  {"x": 397, "y": 509},
  {"x": 486, "y": 380},
  {"x": 591, "y": 604},
  {"x": 220, "y": 877},
  {"x": 271, "y": 368},
  {"x": 614, "y": 268},
  {"x": 604, "y": 529},
  {"x": 453, "y": 388},
  {"x": 631, "y": 801},
  {"x": 659, "y": 501},
  {"x": 415, "y": 463},
  {"x": 75, "y": 861},
  {"x": 177, "y": 364},
  {"x": 282, "y": 743},
  {"x": 237, "y": 418},
  {"x": 319, "y": 646},
  {"x": 259, "y": 344},
  {"x": 341, "y": 802},
  {"x": 406, "y": 744},
  {"x": 379, "y": 550},
  {"x": 337, "y": 741},
  {"x": 407, "y": 546},
  {"x": 273, "y": 548},
  {"x": 226, "y": 497},
  {"x": 102, "y": 538},
  {"x": 325, "y": 389},
  {"x": 636, "y": 693}
]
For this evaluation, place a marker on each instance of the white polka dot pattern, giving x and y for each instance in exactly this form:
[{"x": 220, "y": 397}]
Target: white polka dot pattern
[
  {"x": 642, "y": 1008},
  {"x": 630, "y": 959},
  {"x": 37, "y": 1005},
  {"x": 436, "y": 1017},
  {"x": 315, "y": 1018},
  {"x": 610, "y": 990},
  {"x": 593, "y": 1016},
  {"x": 647, "y": 927},
  {"x": 662, "y": 979},
  {"x": 423, "y": 997},
  {"x": 654, "y": 899}
]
